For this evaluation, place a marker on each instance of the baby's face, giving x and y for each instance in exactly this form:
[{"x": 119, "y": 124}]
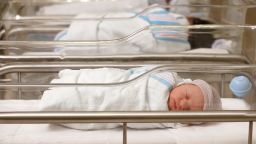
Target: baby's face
[{"x": 186, "y": 97}]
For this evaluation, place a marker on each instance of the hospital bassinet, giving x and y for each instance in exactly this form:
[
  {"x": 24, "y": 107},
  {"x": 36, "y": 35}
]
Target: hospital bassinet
[
  {"x": 236, "y": 110},
  {"x": 29, "y": 62}
]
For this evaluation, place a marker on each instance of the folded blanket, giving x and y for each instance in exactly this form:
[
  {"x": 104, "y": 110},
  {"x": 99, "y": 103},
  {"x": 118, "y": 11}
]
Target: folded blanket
[
  {"x": 146, "y": 41},
  {"x": 149, "y": 93}
]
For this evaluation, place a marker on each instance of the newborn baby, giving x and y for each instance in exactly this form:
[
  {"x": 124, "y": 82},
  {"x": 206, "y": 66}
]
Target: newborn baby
[
  {"x": 133, "y": 91},
  {"x": 152, "y": 40}
]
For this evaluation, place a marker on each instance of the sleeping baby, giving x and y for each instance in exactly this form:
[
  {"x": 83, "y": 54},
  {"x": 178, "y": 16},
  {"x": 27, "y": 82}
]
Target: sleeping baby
[
  {"x": 152, "y": 40},
  {"x": 133, "y": 91}
]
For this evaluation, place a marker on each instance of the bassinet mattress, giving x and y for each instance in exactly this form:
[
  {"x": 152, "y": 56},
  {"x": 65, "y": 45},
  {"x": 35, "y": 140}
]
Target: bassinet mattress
[{"x": 211, "y": 133}]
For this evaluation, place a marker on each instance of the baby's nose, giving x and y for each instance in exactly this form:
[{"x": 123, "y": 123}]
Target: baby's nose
[{"x": 184, "y": 105}]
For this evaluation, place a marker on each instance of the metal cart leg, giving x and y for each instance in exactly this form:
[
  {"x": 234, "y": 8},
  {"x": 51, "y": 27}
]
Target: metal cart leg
[
  {"x": 19, "y": 89},
  {"x": 222, "y": 85},
  {"x": 250, "y": 132},
  {"x": 124, "y": 133}
]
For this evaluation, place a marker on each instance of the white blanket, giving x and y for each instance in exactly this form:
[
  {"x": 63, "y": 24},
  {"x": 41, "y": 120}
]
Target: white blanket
[
  {"x": 149, "y": 93},
  {"x": 107, "y": 30},
  {"x": 89, "y": 6},
  {"x": 146, "y": 41}
]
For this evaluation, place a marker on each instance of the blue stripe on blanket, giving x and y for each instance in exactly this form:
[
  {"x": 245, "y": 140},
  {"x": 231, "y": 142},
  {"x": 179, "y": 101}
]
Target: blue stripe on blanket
[
  {"x": 159, "y": 22},
  {"x": 163, "y": 81},
  {"x": 162, "y": 21},
  {"x": 161, "y": 11},
  {"x": 145, "y": 18},
  {"x": 172, "y": 40}
]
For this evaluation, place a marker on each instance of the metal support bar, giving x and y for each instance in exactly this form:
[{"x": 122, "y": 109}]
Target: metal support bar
[
  {"x": 19, "y": 88},
  {"x": 222, "y": 85},
  {"x": 124, "y": 133},
  {"x": 137, "y": 57},
  {"x": 126, "y": 117},
  {"x": 250, "y": 132}
]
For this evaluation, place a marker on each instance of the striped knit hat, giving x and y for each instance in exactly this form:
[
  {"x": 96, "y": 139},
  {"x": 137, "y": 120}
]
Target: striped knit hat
[{"x": 211, "y": 97}]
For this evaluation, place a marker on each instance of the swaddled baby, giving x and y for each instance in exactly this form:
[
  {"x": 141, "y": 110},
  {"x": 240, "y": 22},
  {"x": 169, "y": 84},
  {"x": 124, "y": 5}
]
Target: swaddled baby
[
  {"x": 147, "y": 41},
  {"x": 157, "y": 91}
]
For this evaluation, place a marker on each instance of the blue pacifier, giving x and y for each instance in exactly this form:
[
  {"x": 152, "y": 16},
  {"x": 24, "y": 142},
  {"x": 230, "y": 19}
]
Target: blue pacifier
[{"x": 240, "y": 86}]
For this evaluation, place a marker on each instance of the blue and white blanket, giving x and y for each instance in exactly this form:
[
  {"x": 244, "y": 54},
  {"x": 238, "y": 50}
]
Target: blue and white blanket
[
  {"x": 154, "y": 40},
  {"x": 148, "y": 93}
]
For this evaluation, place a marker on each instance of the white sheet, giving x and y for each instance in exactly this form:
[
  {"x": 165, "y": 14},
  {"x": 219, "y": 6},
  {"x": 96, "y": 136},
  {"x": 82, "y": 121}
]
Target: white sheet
[{"x": 212, "y": 133}]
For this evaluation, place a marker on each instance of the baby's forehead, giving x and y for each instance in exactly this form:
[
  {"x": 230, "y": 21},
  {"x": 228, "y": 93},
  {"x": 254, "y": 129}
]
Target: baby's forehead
[
  {"x": 183, "y": 88},
  {"x": 193, "y": 89},
  {"x": 188, "y": 85}
]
